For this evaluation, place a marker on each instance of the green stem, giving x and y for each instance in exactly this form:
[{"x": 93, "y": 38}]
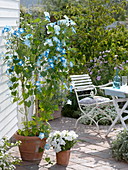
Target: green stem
[
  {"x": 36, "y": 100},
  {"x": 25, "y": 107}
]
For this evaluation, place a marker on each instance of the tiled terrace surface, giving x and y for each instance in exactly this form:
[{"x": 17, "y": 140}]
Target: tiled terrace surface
[{"x": 91, "y": 152}]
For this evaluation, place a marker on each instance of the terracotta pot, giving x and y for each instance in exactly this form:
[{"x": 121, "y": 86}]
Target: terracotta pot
[
  {"x": 31, "y": 148},
  {"x": 62, "y": 158}
]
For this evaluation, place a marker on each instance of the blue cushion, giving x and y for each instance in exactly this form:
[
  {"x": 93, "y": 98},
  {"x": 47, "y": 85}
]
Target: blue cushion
[{"x": 95, "y": 99}]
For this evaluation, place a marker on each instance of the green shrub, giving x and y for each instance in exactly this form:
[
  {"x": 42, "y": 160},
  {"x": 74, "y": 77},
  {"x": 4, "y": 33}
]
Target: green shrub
[
  {"x": 119, "y": 146},
  {"x": 103, "y": 120}
]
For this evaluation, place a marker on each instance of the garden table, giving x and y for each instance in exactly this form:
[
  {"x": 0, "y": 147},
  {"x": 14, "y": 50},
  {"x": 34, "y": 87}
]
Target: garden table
[{"x": 118, "y": 95}]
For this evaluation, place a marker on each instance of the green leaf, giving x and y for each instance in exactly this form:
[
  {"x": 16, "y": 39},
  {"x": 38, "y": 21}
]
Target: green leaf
[
  {"x": 14, "y": 93},
  {"x": 13, "y": 79},
  {"x": 43, "y": 73},
  {"x": 41, "y": 149},
  {"x": 27, "y": 103}
]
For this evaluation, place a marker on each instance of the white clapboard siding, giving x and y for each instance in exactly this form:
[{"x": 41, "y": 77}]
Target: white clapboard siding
[{"x": 9, "y": 15}]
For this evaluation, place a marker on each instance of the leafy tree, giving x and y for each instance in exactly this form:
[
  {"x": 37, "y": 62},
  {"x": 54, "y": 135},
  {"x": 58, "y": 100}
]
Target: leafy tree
[{"x": 93, "y": 35}]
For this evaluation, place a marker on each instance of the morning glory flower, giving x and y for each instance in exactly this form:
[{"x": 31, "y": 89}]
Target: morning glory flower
[
  {"x": 28, "y": 36},
  {"x": 71, "y": 87},
  {"x": 47, "y": 16},
  {"x": 21, "y": 62},
  {"x": 63, "y": 51},
  {"x": 41, "y": 135},
  {"x": 40, "y": 57},
  {"x": 27, "y": 42},
  {"x": 63, "y": 59},
  {"x": 47, "y": 146},
  {"x": 21, "y": 30},
  {"x": 12, "y": 67},
  {"x": 46, "y": 53},
  {"x": 71, "y": 64},
  {"x": 64, "y": 65},
  {"x": 37, "y": 83},
  {"x": 58, "y": 49},
  {"x": 51, "y": 65},
  {"x": 50, "y": 60},
  {"x": 56, "y": 39},
  {"x": 16, "y": 33},
  {"x": 55, "y": 58},
  {"x": 48, "y": 42},
  {"x": 6, "y": 29},
  {"x": 57, "y": 29},
  {"x": 8, "y": 42}
]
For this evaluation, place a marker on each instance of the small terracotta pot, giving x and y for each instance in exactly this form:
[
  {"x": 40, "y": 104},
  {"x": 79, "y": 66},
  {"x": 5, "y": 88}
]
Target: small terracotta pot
[
  {"x": 62, "y": 158},
  {"x": 31, "y": 148}
]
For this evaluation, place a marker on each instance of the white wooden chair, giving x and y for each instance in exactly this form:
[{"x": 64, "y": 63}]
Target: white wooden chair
[{"x": 86, "y": 97}]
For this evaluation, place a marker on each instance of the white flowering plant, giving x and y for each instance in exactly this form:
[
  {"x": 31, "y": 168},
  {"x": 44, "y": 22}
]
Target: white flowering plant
[
  {"x": 62, "y": 140},
  {"x": 7, "y": 160}
]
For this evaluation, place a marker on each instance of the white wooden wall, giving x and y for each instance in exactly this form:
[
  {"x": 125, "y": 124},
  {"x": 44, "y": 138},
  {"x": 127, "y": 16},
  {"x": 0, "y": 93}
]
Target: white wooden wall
[{"x": 9, "y": 15}]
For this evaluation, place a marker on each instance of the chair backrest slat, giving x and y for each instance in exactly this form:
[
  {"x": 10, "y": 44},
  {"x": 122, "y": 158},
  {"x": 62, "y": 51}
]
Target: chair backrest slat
[
  {"x": 82, "y": 85},
  {"x": 82, "y": 82}
]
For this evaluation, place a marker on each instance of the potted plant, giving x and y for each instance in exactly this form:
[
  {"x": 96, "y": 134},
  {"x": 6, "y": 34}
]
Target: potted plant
[
  {"x": 62, "y": 142},
  {"x": 38, "y": 60}
]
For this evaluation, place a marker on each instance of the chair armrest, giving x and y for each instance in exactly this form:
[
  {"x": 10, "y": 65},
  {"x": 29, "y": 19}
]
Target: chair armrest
[{"x": 105, "y": 85}]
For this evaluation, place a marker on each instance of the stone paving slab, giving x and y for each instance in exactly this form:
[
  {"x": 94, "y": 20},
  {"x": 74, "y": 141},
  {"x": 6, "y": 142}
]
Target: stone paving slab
[{"x": 91, "y": 152}]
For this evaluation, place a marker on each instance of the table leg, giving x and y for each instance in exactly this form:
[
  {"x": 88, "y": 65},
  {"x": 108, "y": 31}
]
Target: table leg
[
  {"x": 112, "y": 125},
  {"x": 119, "y": 113}
]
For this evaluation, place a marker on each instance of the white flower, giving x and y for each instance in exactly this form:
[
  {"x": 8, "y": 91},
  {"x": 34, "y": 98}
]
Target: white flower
[
  {"x": 69, "y": 138},
  {"x": 58, "y": 139},
  {"x": 62, "y": 142},
  {"x": 57, "y": 148},
  {"x": 54, "y": 142}
]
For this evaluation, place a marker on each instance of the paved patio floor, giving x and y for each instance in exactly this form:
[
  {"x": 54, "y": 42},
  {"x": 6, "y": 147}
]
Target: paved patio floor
[{"x": 91, "y": 152}]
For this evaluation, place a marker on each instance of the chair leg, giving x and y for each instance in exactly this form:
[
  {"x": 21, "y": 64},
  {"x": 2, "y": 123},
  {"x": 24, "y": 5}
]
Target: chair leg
[{"x": 85, "y": 115}]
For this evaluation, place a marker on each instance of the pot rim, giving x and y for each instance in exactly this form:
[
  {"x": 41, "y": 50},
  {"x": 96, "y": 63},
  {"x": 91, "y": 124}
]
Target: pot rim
[{"x": 20, "y": 137}]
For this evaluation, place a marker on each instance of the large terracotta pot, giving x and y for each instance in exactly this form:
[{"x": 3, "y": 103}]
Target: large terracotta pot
[
  {"x": 62, "y": 158},
  {"x": 31, "y": 148}
]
